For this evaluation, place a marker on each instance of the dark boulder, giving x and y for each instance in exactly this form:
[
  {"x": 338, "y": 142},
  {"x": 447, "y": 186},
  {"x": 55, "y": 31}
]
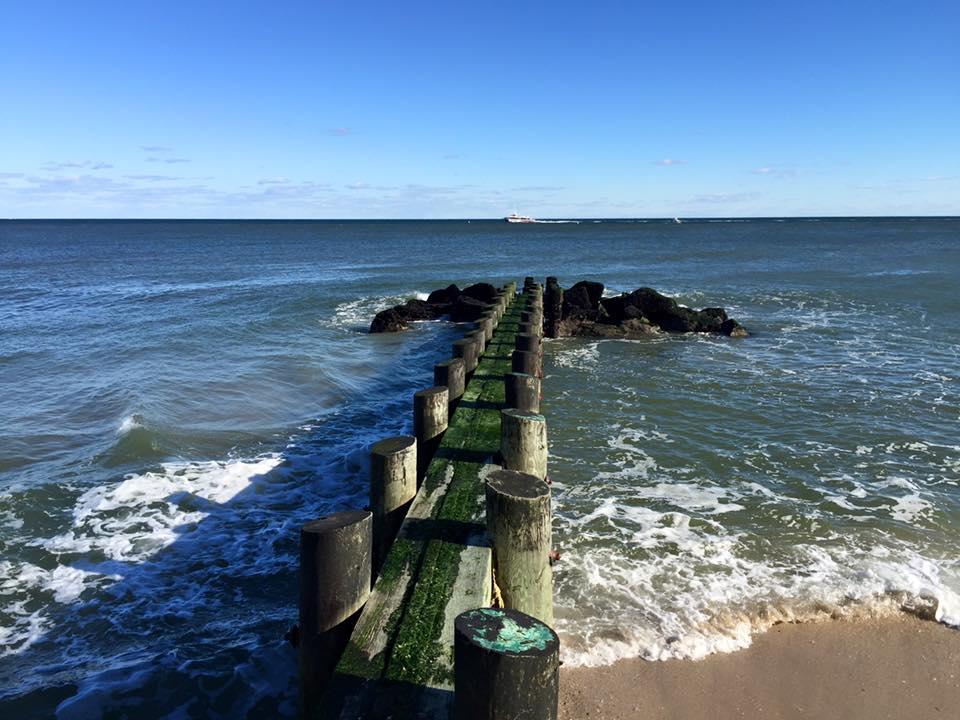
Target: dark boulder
[
  {"x": 576, "y": 300},
  {"x": 733, "y": 329},
  {"x": 614, "y": 307},
  {"x": 390, "y": 320},
  {"x": 594, "y": 291},
  {"x": 484, "y": 292},
  {"x": 467, "y": 308},
  {"x": 418, "y": 310},
  {"x": 445, "y": 296}
]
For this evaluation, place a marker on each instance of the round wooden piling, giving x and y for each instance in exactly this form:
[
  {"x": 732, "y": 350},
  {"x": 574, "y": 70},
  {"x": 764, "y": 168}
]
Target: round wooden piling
[
  {"x": 506, "y": 666},
  {"x": 466, "y": 349},
  {"x": 522, "y": 392},
  {"x": 522, "y": 361},
  {"x": 335, "y": 574},
  {"x": 430, "y": 414},
  {"x": 523, "y": 442},
  {"x": 479, "y": 339},
  {"x": 518, "y": 524},
  {"x": 393, "y": 485},
  {"x": 534, "y": 319},
  {"x": 553, "y": 308},
  {"x": 486, "y": 324},
  {"x": 528, "y": 343},
  {"x": 453, "y": 375}
]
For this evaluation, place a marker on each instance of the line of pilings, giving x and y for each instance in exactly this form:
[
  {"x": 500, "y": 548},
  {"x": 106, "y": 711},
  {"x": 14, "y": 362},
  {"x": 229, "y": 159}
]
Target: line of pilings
[{"x": 341, "y": 554}]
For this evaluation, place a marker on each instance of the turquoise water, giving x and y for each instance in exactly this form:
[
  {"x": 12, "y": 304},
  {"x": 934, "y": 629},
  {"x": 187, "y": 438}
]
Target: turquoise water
[{"x": 176, "y": 398}]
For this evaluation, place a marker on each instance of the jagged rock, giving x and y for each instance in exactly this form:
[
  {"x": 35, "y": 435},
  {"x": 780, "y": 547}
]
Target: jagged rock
[
  {"x": 484, "y": 292},
  {"x": 629, "y": 330},
  {"x": 419, "y": 310},
  {"x": 467, "y": 308},
  {"x": 444, "y": 296},
  {"x": 594, "y": 291},
  {"x": 640, "y": 312},
  {"x": 576, "y": 300},
  {"x": 733, "y": 329},
  {"x": 614, "y": 307},
  {"x": 390, "y": 320}
]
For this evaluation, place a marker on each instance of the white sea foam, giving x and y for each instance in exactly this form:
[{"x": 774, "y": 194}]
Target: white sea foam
[
  {"x": 579, "y": 356},
  {"x": 143, "y": 514}
]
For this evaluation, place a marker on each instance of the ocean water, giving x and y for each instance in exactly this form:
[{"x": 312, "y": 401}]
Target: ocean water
[{"x": 176, "y": 398}]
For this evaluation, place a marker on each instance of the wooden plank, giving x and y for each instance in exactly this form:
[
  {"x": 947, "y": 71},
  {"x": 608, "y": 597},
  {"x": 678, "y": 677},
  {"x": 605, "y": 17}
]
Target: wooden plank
[{"x": 399, "y": 661}]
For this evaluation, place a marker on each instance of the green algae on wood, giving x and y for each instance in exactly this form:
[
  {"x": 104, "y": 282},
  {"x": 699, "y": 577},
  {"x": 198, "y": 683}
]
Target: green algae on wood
[{"x": 438, "y": 567}]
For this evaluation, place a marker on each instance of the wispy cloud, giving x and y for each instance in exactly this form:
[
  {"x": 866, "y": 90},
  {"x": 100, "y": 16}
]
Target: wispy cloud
[
  {"x": 81, "y": 165},
  {"x": 153, "y": 178},
  {"x": 668, "y": 162},
  {"x": 724, "y": 198},
  {"x": 274, "y": 181},
  {"x": 156, "y": 148},
  {"x": 11, "y": 175},
  {"x": 168, "y": 160},
  {"x": 536, "y": 188},
  {"x": 779, "y": 171},
  {"x": 340, "y": 131}
]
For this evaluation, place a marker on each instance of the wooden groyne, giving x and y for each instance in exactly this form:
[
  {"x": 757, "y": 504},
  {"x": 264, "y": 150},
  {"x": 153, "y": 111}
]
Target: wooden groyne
[{"x": 471, "y": 533}]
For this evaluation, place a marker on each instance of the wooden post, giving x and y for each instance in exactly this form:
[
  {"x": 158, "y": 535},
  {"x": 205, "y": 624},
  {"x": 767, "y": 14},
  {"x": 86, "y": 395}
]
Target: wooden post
[
  {"x": 553, "y": 308},
  {"x": 479, "y": 340},
  {"x": 518, "y": 524},
  {"x": 528, "y": 343},
  {"x": 522, "y": 392},
  {"x": 525, "y": 362},
  {"x": 534, "y": 319},
  {"x": 506, "y": 666},
  {"x": 523, "y": 442},
  {"x": 466, "y": 349},
  {"x": 393, "y": 485},
  {"x": 335, "y": 557},
  {"x": 452, "y": 374},
  {"x": 430, "y": 414},
  {"x": 486, "y": 324}
]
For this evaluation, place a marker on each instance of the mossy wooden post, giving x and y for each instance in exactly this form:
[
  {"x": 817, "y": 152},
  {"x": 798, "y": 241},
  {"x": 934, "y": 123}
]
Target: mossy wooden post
[
  {"x": 335, "y": 573},
  {"x": 519, "y": 528},
  {"x": 486, "y": 324},
  {"x": 533, "y": 319},
  {"x": 506, "y": 666},
  {"x": 529, "y": 342},
  {"x": 525, "y": 362},
  {"x": 479, "y": 339},
  {"x": 522, "y": 392},
  {"x": 430, "y": 416},
  {"x": 393, "y": 485},
  {"x": 523, "y": 442},
  {"x": 553, "y": 308},
  {"x": 467, "y": 350},
  {"x": 453, "y": 375}
]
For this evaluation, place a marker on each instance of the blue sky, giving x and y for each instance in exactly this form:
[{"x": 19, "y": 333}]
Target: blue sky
[{"x": 556, "y": 109}]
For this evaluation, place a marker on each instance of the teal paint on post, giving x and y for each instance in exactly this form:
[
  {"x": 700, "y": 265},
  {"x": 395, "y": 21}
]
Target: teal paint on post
[{"x": 511, "y": 636}]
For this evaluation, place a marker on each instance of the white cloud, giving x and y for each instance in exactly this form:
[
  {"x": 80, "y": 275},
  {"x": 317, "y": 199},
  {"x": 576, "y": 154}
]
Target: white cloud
[{"x": 668, "y": 162}]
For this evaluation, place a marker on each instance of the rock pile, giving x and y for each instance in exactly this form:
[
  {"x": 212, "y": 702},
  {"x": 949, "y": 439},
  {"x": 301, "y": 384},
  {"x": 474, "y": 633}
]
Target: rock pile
[
  {"x": 461, "y": 305},
  {"x": 641, "y": 312}
]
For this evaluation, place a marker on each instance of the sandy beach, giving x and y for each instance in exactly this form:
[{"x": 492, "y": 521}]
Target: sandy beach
[{"x": 900, "y": 667}]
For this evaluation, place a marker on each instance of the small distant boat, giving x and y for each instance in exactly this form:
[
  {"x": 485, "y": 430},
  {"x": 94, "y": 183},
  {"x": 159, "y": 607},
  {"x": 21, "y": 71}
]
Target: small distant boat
[
  {"x": 677, "y": 221},
  {"x": 514, "y": 218}
]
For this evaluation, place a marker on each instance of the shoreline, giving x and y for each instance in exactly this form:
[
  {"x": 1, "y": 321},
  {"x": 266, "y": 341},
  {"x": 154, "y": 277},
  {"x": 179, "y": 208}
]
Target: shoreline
[{"x": 856, "y": 669}]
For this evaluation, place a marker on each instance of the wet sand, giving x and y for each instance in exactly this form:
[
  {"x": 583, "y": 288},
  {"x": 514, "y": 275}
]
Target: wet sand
[{"x": 900, "y": 667}]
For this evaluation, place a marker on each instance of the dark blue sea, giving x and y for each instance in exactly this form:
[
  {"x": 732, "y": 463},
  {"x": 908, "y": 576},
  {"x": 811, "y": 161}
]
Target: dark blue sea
[{"x": 177, "y": 398}]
